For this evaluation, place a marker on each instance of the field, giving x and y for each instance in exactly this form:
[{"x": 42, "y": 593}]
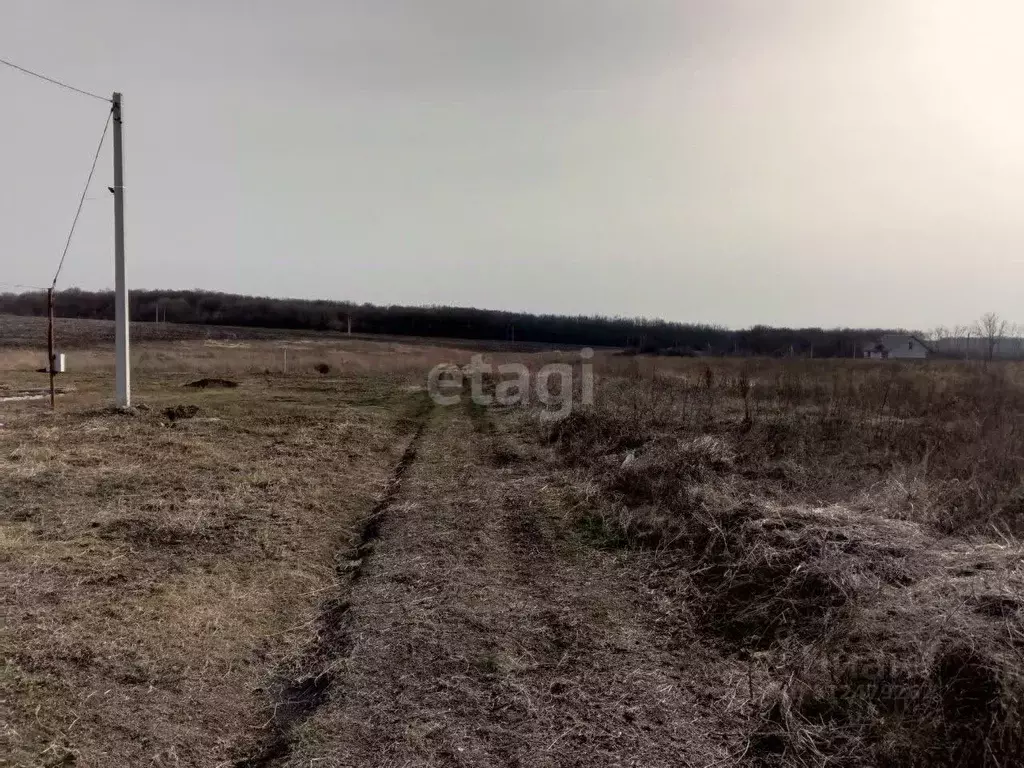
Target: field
[{"x": 719, "y": 562}]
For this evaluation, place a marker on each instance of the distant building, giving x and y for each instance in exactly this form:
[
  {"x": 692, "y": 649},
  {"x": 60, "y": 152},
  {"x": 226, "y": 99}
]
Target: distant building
[{"x": 898, "y": 346}]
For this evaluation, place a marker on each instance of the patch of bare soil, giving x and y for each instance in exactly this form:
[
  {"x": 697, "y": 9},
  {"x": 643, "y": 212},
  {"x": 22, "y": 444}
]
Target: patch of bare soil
[
  {"x": 479, "y": 631},
  {"x": 211, "y": 383}
]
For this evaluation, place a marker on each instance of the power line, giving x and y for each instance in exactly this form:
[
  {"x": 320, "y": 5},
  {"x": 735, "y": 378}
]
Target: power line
[
  {"x": 81, "y": 201},
  {"x": 21, "y": 285},
  {"x": 12, "y": 65}
]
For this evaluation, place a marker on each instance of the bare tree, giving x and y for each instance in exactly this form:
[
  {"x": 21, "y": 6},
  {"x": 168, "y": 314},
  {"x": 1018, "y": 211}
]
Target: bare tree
[
  {"x": 959, "y": 338},
  {"x": 1013, "y": 341},
  {"x": 992, "y": 328},
  {"x": 938, "y": 338}
]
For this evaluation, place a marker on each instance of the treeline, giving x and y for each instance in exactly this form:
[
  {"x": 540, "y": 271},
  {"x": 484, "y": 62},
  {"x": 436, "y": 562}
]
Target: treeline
[{"x": 654, "y": 336}]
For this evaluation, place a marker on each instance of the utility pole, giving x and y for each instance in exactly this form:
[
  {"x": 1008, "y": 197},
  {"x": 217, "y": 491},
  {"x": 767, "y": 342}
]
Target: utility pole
[
  {"x": 123, "y": 385},
  {"x": 49, "y": 346}
]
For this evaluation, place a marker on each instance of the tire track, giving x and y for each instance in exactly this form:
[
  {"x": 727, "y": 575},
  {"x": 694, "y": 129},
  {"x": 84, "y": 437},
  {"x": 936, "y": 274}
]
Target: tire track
[{"x": 305, "y": 683}]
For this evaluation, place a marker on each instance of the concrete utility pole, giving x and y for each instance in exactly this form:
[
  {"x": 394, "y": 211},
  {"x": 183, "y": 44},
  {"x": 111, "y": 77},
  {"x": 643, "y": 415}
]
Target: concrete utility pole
[{"x": 123, "y": 386}]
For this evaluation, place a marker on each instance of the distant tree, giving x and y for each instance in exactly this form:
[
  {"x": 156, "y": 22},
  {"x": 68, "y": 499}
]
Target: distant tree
[
  {"x": 992, "y": 328},
  {"x": 643, "y": 334},
  {"x": 959, "y": 334}
]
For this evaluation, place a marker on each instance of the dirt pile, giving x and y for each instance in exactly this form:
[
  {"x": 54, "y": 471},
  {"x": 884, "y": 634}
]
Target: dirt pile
[{"x": 212, "y": 384}]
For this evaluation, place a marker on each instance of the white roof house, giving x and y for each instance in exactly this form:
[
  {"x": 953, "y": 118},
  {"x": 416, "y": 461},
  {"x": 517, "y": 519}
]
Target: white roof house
[{"x": 897, "y": 346}]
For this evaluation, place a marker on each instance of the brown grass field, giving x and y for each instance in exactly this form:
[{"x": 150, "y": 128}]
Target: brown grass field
[{"x": 720, "y": 562}]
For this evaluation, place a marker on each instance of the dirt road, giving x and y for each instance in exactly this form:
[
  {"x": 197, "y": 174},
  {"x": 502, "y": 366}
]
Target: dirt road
[{"x": 473, "y": 629}]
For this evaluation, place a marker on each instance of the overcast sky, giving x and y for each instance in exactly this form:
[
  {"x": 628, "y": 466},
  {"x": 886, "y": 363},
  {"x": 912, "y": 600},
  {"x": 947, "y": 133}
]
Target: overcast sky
[{"x": 799, "y": 162}]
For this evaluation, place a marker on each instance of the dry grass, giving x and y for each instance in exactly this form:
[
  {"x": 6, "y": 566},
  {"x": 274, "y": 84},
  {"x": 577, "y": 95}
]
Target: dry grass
[
  {"x": 848, "y": 528},
  {"x": 159, "y": 566}
]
